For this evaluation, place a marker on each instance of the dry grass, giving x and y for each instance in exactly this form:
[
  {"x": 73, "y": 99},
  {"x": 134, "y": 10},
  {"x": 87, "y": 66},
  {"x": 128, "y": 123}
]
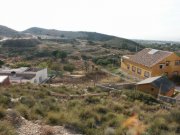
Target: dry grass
[{"x": 111, "y": 79}]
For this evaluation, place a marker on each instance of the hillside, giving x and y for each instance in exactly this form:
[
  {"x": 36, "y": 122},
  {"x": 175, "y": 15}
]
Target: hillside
[
  {"x": 121, "y": 43},
  {"x": 8, "y": 32},
  {"x": 67, "y": 34},
  {"x": 117, "y": 113},
  {"x": 107, "y": 40}
]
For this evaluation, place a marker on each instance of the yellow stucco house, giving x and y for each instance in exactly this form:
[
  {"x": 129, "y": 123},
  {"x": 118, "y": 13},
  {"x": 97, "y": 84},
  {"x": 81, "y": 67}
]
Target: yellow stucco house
[{"x": 151, "y": 62}]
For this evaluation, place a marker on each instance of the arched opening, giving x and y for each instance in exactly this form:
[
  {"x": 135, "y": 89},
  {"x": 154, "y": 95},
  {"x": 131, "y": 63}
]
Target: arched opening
[{"x": 13, "y": 73}]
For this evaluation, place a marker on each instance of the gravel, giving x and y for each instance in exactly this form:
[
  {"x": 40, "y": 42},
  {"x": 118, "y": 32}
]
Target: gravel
[{"x": 30, "y": 128}]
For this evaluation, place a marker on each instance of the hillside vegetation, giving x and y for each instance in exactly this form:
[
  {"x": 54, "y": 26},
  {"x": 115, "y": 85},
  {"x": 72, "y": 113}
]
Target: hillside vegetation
[
  {"x": 68, "y": 34},
  {"x": 107, "y": 40},
  {"x": 7, "y": 32},
  {"x": 118, "y": 113},
  {"x": 17, "y": 43}
]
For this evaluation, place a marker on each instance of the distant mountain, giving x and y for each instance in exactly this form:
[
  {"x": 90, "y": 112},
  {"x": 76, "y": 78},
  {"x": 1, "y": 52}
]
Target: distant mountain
[
  {"x": 8, "y": 32},
  {"x": 106, "y": 40},
  {"x": 52, "y": 33},
  {"x": 121, "y": 43}
]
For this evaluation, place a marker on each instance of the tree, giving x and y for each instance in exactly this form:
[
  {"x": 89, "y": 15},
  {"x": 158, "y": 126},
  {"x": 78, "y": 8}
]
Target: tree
[
  {"x": 1, "y": 63},
  {"x": 59, "y": 54},
  {"x": 54, "y": 53},
  {"x": 62, "y": 55},
  {"x": 69, "y": 67}
]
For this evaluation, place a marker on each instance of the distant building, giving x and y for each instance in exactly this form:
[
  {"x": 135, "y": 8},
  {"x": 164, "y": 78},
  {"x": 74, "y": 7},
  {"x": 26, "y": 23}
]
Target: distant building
[
  {"x": 25, "y": 74},
  {"x": 156, "y": 85},
  {"x": 4, "y": 81},
  {"x": 151, "y": 62}
]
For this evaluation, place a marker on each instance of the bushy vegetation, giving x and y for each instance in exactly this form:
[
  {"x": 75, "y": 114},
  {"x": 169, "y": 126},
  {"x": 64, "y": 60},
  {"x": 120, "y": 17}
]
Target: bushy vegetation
[
  {"x": 119, "y": 43},
  {"x": 69, "y": 67},
  {"x": 104, "y": 61},
  {"x": 90, "y": 115},
  {"x": 6, "y": 128},
  {"x": 21, "y": 43}
]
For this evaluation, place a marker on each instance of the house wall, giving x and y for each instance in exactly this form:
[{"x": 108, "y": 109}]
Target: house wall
[
  {"x": 170, "y": 69},
  {"x": 170, "y": 93},
  {"x": 148, "y": 88},
  {"x": 126, "y": 62},
  {"x": 154, "y": 70},
  {"x": 40, "y": 76}
]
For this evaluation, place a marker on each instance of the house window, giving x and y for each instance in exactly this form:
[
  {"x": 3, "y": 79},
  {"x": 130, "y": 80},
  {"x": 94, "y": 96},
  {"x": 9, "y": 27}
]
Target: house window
[
  {"x": 146, "y": 74},
  {"x": 133, "y": 69},
  {"x": 152, "y": 89},
  {"x": 161, "y": 66},
  {"x": 138, "y": 70},
  {"x": 167, "y": 63},
  {"x": 177, "y": 62}
]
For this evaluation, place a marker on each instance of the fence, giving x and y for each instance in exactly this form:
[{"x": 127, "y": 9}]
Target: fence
[
  {"x": 169, "y": 99},
  {"x": 116, "y": 86},
  {"x": 132, "y": 86}
]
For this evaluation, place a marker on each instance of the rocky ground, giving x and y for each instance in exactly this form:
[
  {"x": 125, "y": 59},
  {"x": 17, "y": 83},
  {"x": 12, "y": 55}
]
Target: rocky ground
[
  {"x": 30, "y": 128},
  {"x": 25, "y": 127}
]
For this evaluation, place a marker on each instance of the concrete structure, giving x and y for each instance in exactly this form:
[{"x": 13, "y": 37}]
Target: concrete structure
[
  {"x": 25, "y": 74},
  {"x": 4, "y": 81},
  {"x": 150, "y": 62},
  {"x": 156, "y": 85}
]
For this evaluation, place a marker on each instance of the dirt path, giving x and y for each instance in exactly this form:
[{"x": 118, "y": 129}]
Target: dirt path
[{"x": 30, "y": 128}]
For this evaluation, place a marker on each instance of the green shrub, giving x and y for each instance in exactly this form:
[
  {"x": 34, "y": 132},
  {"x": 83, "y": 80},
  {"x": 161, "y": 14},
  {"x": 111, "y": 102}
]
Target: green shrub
[
  {"x": 23, "y": 110},
  {"x": 5, "y": 101},
  {"x": 101, "y": 109},
  {"x": 92, "y": 100},
  {"x": 86, "y": 114},
  {"x": 69, "y": 67},
  {"x": 158, "y": 125},
  {"x": 40, "y": 109},
  {"x": 143, "y": 97},
  {"x": 91, "y": 123},
  {"x": 118, "y": 107},
  {"x": 6, "y": 128},
  {"x": 2, "y": 112},
  {"x": 59, "y": 118},
  {"x": 175, "y": 115},
  {"x": 29, "y": 101}
]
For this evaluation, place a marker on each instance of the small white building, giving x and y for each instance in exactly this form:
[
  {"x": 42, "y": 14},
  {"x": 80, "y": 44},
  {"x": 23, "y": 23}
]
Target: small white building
[
  {"x": 25, "y": 74},
  {"x": 4, "y": 81}
]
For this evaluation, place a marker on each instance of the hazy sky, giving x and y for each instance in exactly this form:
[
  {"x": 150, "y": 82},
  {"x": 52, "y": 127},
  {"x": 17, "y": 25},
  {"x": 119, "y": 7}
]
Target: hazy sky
[{"x": 140, "y": 19}]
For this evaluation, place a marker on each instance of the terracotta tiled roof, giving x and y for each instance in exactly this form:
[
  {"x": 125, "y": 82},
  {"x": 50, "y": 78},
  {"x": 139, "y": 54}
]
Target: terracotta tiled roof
[{"x": 149, "y": 57}]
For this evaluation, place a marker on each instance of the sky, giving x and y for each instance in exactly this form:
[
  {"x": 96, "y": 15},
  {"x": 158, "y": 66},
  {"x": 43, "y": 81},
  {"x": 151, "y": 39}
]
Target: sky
[{"x": 133, "y": 19}]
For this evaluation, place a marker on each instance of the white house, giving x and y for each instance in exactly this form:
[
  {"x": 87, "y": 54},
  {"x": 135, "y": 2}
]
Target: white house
[
  {"x": 4, "y": 81},
  {"x": 25, "y": 74}
]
